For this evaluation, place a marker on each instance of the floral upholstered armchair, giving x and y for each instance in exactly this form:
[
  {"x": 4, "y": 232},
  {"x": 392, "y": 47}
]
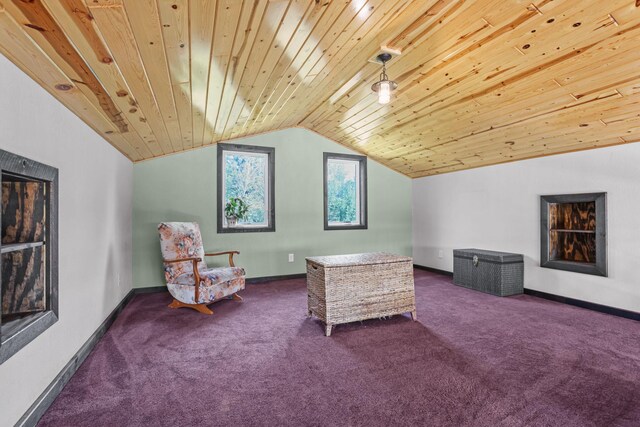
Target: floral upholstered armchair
[{"x": 191, "y": 283}]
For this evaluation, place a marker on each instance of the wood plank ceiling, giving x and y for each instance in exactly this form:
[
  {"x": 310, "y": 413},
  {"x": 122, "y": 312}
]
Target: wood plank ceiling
[{"x": 480, "y": 82}]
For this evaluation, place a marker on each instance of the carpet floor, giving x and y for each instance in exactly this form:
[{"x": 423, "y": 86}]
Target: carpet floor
[{"x": 471, "y": 360}]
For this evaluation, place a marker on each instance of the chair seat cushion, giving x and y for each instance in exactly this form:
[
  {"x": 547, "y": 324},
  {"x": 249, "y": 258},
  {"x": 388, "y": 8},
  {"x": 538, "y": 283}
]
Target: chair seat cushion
[
  {"x": 215, "y": 283},
  {"x": 210, "y": 276}
]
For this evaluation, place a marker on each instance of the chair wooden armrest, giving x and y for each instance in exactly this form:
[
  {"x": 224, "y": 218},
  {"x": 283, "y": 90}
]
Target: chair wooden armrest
[
  {"x": 196, "y": 273},
  {"x": 171, "y": 261},
  {"x": 230, "y": 253}
]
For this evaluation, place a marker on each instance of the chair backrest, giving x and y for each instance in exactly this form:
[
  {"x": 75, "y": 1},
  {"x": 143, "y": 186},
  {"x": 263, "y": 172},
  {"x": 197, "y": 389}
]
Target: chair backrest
[{"x": 180, "y": 240}]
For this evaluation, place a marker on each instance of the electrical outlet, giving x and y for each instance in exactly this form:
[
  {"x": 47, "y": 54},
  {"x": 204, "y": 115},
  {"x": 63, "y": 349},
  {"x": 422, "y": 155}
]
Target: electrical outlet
[
  {"x": 440, "y": 253},
  {"x": 291, "y": 258}
]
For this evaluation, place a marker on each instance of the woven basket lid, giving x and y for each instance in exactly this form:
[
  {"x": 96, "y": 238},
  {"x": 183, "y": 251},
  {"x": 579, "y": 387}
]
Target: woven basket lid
[
  {"x": 358, "y": 259},
  {"x": 487, "y": 255}
]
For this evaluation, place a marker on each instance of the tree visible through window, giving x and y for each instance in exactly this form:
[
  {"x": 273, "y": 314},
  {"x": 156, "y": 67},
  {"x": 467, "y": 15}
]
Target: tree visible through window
[
  {"x": 345, "y": 188},
  {"x": 246, "y": 172},
  {"x": 245, "y": 177},
  {"x": 342, "y": 191}
]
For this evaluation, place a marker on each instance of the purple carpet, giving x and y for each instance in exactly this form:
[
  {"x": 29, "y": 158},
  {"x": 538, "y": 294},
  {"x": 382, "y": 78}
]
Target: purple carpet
[{"x": 471, "y": 360}]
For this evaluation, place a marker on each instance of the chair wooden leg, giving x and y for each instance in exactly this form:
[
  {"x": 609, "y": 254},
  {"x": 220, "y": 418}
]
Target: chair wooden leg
[
  {"x": 237, "y": 297},
  {"x": 198, "y": 307},
  {"x": 414, "y": 316}
]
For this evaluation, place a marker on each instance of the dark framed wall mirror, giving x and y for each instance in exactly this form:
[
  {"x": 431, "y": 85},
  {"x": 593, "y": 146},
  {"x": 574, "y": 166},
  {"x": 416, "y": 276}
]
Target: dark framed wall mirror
[{"x": 573, "y": 232}]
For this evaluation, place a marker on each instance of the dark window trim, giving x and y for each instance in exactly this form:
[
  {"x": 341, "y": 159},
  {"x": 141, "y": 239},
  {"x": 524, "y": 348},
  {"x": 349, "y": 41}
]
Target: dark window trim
[
  {"x": 15, "y": 336},
  {"x": 271, "y": 153},
  {"x": 363, "y": 191},
  {"x": 600, "y": 266}
]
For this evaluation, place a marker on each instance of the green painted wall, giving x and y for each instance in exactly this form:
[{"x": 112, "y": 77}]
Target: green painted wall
[{"x": 182, "y": 187}]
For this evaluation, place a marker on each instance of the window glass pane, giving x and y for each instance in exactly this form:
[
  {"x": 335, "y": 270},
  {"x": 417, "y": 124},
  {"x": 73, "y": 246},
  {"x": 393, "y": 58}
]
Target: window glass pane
[
  {"x": 246, "y": 176},
  {"x": 343, "y": 187}
]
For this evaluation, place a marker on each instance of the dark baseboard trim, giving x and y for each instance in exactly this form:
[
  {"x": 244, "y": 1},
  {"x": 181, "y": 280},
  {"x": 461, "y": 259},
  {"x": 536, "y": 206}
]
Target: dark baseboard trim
[
  {"x": 251, "y": 281},
  {"x": 433, "y": 270},
  {"x": 254, "y": 280},
  {"x": 557, "y": 298},
  {"x": 585, "y": 304},
  {"x": 150, "y": 290},
  {"x": 42, "y": 403}
]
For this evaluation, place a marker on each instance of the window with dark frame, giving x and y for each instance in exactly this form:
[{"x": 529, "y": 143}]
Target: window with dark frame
[
  {"x": 246, "y": 172},
  {"x": 345, "y": 191},
  {"x": 29, "y": 251}
]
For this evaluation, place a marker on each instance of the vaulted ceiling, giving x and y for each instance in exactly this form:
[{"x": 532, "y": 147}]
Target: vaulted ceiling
[{"x": 479, "y": 82}]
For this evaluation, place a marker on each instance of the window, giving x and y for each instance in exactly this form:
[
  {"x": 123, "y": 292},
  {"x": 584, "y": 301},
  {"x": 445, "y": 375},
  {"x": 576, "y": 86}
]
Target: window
[
  {"x": 29, "y": 252},
  {"x": 246, "y": 172},
  {"x": 345, "y": 191}
]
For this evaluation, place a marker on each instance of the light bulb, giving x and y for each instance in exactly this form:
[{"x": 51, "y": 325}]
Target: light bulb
[{"x": 384, "y": 92}]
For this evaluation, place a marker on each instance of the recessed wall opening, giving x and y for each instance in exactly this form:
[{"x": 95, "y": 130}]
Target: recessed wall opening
[
  {"x": 28, "y": 248},
  {"x": 573, "y": 233}
]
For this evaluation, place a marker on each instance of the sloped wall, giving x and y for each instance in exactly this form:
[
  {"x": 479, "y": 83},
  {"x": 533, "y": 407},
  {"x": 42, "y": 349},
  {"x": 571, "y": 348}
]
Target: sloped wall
[{"x": 95, "y": 189}]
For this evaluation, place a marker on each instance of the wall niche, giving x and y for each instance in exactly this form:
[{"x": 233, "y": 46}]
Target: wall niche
[
  {"x": 574, "y": 232},
  {"x": 28, "y": 248}
]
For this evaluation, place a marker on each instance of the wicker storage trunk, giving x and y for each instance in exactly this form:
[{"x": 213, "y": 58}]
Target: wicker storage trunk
[
  {"x": 348, "y": 288},
  {"x": 497, "y": 273}
]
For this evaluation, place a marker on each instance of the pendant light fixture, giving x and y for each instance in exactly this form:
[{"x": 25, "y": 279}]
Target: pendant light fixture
[{"x": 384, "y": 87}]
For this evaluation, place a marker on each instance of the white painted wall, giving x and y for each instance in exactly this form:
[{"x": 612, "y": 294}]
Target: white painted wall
[
  {"x": 95, "y": 209},
  {"x": 498, "y": 207}
]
